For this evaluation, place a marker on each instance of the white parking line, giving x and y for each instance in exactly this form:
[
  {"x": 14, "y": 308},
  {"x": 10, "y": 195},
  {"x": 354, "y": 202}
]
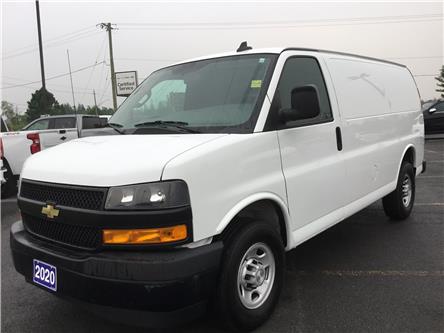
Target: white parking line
[
  {"x": 362, "y": 273},
  {"x": 384, "y": 273},
  {"x": 430, "y": 204},
  {"x": 431, "y": 176}
]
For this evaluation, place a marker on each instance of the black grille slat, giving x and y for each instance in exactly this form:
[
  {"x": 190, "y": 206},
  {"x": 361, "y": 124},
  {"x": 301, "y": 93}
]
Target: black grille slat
[
  {"x": 86, "y": 237},
  {"x": 77, "y": 197}
]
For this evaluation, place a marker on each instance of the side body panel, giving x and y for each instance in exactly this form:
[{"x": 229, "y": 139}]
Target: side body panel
[
  {"x": 225, "y": 174},
  {"x": 380, "y": 109}
]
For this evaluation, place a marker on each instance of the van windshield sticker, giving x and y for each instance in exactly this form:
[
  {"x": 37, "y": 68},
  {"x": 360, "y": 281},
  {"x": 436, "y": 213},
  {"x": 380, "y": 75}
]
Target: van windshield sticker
[
  {"x": 261, "y": 60},
  {"x": 256, "y": 83}
]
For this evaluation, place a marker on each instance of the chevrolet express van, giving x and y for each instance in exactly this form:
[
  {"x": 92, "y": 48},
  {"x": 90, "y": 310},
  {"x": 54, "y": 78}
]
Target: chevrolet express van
[{"x": 217, "y": 166}]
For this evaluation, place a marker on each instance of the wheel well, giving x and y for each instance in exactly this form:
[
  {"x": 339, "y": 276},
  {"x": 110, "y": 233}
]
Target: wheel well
[
  {"x": 265, "y": 210},
  {"x": 409, "y": 156}
]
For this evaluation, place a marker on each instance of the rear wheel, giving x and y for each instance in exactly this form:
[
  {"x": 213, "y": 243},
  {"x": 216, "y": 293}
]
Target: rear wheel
[
  {"x": 252, "y": 275},
  {"x": 398, "y": 204}
]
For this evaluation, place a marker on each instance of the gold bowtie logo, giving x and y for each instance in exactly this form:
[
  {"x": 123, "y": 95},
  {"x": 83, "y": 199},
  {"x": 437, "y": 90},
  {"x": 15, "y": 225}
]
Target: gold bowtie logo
[{"x": 50, "y": 211}]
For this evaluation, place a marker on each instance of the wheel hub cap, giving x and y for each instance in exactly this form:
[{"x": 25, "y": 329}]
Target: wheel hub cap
[
  {"x": 256, "y": 275},
  {"x": 406, "y": 191}
]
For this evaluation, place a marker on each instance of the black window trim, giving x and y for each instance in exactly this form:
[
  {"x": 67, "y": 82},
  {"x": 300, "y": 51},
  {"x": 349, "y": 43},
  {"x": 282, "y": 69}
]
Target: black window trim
[
  {"x": 53, "y": 120},
  {"x": 36, "y": 121},
  {"x": 272, "y": 125}
]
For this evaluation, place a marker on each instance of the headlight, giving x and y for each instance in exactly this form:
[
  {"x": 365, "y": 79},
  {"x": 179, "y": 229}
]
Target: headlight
[{"x": 169, "y": 194}]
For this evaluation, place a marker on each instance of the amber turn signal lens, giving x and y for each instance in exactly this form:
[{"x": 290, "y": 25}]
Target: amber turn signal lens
[{"x": 145, "y": 236}]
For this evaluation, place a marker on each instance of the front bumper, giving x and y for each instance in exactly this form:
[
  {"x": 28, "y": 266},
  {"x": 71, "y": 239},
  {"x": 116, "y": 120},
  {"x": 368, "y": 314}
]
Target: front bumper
[{"x": 154, "y": 281}]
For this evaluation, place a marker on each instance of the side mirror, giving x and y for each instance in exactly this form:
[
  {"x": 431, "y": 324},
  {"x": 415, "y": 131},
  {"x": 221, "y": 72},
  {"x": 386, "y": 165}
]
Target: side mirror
[
  {"x": 432, "y": 110},
  {"x": 304, "y": 104}
]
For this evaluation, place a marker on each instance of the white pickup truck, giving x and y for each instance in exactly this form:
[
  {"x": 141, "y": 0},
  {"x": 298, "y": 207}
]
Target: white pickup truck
[{"x": 42, "y": 133}]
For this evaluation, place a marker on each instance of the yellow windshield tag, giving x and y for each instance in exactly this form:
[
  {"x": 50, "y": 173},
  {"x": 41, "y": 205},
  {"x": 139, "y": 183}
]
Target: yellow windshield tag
[{"x": 256, "y": 83}]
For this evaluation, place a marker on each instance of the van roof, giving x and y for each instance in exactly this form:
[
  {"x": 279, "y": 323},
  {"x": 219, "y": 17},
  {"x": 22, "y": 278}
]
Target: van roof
[{"x": 278, "y": 50}]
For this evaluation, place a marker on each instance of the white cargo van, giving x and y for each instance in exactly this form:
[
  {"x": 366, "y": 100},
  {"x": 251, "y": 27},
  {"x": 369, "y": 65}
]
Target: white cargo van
[{"x": 219, "y": 165}]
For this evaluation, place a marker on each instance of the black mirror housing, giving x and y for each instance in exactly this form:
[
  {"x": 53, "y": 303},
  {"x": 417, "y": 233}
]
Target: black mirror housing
[{"x": 304, "y": 104}]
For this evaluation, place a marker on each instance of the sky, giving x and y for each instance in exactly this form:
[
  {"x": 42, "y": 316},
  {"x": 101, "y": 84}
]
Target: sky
[{"x": 151, "y": 35}]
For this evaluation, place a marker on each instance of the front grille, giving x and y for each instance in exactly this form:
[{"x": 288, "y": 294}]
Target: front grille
[
  {"x": 64, "y": 195},
  {"x": 86, "y": 237}
]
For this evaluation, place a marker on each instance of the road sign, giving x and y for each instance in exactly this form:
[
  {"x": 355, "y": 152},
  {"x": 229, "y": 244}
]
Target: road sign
[{"x": 126, "y": 83}]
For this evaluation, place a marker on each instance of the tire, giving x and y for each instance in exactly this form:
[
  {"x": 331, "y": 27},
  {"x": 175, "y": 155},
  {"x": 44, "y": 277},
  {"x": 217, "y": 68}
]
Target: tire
[
  {"x": 256, "y": 240},
  {"x": 10, "y": 186},
  {"x": 398, "y": 204}
]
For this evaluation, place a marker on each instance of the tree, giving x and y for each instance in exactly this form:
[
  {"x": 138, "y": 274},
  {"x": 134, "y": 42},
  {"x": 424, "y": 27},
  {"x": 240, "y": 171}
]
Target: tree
[
  {"x": 440, "y": 84},
  {"x": 64, "y": 108},
  {"x": 14, "y": 120},
  {"x": 42, "y": 103},
  {"x": 7, "y": 110}
]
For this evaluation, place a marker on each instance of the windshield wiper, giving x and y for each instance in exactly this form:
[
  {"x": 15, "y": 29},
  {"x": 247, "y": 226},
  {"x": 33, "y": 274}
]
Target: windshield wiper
[
  {"x": 181, "y": 125},
  {"x": 115, "y": 126}
]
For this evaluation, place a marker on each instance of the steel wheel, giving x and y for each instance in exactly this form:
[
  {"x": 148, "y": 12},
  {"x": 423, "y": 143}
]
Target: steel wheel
[
  {"x": 406, "y": 190},
  {"x": 256, "y": 275}
]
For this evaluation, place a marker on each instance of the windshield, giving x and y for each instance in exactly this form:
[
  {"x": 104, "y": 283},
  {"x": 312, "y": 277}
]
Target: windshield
[{"x": 210, "y": 96}]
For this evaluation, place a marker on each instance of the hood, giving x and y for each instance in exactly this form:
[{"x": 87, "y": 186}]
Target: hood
[{"x": 110, "y": 160}]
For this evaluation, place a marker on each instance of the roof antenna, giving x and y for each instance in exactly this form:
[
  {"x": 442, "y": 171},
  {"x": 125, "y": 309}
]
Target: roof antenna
[{"x": 244, "y": 47}]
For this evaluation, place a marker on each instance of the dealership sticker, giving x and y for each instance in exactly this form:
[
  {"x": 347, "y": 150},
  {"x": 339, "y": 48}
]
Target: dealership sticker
[{"x": 256, "y": 83}]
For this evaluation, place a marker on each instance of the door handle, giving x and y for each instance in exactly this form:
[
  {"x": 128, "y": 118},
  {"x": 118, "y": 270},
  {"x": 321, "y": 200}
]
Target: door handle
[
  {"x": 338, "y": 138},
  {"x": 63, "y": 138},
  {"x": 62, "y": 131}
]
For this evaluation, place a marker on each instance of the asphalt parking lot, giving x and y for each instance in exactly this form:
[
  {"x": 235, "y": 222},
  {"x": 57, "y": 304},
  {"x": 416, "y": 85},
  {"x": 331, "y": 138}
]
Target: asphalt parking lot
[{"x": 364, "y": 275}]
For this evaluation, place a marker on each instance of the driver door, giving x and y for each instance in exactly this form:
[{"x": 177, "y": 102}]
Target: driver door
[{"x": 312, "y": 160}]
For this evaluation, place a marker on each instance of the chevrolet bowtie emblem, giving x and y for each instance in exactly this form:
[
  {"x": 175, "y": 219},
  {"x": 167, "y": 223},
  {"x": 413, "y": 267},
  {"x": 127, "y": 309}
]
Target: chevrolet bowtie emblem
[{"x": 50, "y": 211}]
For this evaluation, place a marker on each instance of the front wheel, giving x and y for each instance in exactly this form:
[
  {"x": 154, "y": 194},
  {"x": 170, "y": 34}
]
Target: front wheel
[
  {"x": 398, "y": 204},
  {"x": 251, "y": 276}
]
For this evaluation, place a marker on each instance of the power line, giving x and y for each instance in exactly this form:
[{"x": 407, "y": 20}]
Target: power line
[
  {"x": 94, "y": 68},
  {"x": 55, "y": 44},
  {"x": 35, "y": 45},
  {"x": 52, "y": 89},
  {"x": 53, "y": 77},
  {"x": 8, "y": 78},
  {"x": 107, "y": 82},
  {"x": 146, "y": 59},
  {"x": 278, "y": 24}
]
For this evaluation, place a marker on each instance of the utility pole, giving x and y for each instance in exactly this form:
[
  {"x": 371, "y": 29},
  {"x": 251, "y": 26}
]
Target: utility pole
[
  {"x": 72, "y": 87},
  {"x": 95, "y": 102},
  {"x": 108, "y": 27},
  {"x": 42, "y": 66}
]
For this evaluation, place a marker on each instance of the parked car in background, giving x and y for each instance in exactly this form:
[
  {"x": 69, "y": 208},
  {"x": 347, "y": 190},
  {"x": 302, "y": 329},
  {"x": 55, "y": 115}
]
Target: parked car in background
[
  {"x": 434, "y": 117},
  {"x": 40, "y": 134},
  {"x": 3, "y": 175}
]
